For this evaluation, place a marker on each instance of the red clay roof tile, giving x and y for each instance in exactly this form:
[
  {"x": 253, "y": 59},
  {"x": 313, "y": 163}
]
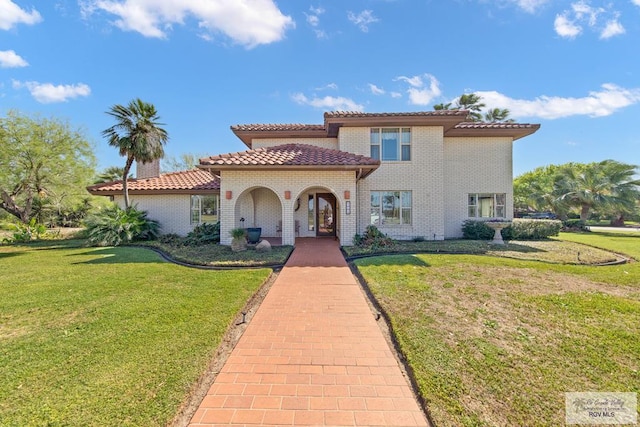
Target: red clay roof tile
[
  {"x": 290, "y": 155},
  {"x": 185, "y": 181}
]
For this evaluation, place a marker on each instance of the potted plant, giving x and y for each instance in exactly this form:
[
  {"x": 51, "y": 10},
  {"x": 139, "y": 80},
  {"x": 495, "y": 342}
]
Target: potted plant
[
  {"x": 239, "y": 241},
  {"x": 253, "y": 234}
]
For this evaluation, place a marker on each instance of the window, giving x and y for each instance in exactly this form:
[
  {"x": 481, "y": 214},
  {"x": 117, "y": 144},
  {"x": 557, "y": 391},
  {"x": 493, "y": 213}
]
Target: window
[
  {"x": 487, "y": 205},
  {"x": 391, "y": 144},
  {"x": 205, "y": 208},
  {"x": 390, "y": 208}
]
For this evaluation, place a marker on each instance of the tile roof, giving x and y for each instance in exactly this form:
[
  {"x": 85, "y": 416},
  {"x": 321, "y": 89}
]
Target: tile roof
[
  {"x": 185, "y": 182},
  {"x": 359, "y": 114},
  {"x": 277, "y": 127},
  {"x": 499, "y": 125},
  {"x": 290, "y": 155}
]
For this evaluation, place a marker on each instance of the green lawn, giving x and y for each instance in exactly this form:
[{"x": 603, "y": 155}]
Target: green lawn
[
  {"x": 107, "y": 336},
  {"x": 498, "y": 341}
]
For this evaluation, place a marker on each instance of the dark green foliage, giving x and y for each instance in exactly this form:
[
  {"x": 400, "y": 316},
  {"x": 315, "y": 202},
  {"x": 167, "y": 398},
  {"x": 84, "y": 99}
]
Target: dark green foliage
[
  {"x": 114, "y": 226},
  {"x": 372, "y": 238},
  {"x": 520, "y": 229},
  {"x": 204, "y": 233},
  {"x": 476, "y": 230},
  {"x": 23, "y": 233},
  {"x": 575, "y": 224}
]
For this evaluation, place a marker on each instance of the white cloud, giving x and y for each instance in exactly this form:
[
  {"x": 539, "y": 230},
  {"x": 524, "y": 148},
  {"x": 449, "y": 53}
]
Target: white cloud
[
  {"x": 329, "y": 86},
  {"x": 362, "y": 19},
  {"x": 47, "y": 93},
  {"x": 246, "y": 22},
  {"x": 530, "y": 5},
  {"x": 10, "y": 59},
  {"x": 604, "y": 102},
  {"x": 419, "y": 92},
  {"x": 331, "y": 103},
  {"x": 636, "y": 2},
  {"x": 611, "y": 29},
  {"x": 376, "y": 90},
  {"x": 11, "y": 14},
  {"x": 570, "y": 23},
  {"x": 396, "y": 95},
  {"x": 566, "y": 28}
]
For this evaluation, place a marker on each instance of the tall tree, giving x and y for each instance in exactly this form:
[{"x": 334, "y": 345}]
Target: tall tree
[
  {"x": 112, "y": 173},
  {"x": 495, "y": 115},
  {"x": 137, "y": 134},
  {"x": 41, "y": 161},
  {"x": 185, "y": 161},
  {"x": 474, "y": 105},
  {"x": 609, "y": 185}
]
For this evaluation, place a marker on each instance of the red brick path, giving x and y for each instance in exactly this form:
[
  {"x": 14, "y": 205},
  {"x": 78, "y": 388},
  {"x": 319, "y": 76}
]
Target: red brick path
[{"x": 313, "y": 354}]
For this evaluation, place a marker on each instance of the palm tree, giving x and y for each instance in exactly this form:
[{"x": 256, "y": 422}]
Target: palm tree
[
  {"x": 496, "y": 115},
  {"x": 112, "y": 173},
  {"x": 137, "y": 135},
  {"x": 471, "y": 102},
  {"x": 607, "y": 185}
]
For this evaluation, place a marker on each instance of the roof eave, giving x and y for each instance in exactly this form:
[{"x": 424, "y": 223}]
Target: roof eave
[
  {"x": 247, "y": 136},
  {"x": 219, "y": 168},
  {"x": 333, "y": 124},
  {"x": 514, "y": 133}
]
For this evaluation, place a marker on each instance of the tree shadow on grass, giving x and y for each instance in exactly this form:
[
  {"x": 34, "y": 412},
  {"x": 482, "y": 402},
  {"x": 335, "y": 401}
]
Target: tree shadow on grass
[
  {"x": 399, "y": 260},
  {"x": 120, "y": 255},
  {"x": 10, "y": 254}
]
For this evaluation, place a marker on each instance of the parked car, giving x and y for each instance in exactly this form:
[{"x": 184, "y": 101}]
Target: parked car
[{"x": 543, "y": 215}]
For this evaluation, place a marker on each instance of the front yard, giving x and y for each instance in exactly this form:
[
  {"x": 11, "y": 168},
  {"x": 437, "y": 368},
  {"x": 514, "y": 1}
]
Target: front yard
[
  {"x": 107, "y": 336},
  {"x": 494, "y": 335},
  {"x": 498, "y": 341}
]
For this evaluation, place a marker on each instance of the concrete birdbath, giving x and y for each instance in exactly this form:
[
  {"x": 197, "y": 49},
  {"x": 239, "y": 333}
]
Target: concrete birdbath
[{"x": 498, "y": 226}]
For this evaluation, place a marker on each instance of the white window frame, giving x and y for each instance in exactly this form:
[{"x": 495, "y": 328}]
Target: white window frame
[
  {"x": 497, "y": 210},
  {"x": 403, "y": 209},
  {"x": 196, "y": 208},
  {"x": 403, "y": 140}
]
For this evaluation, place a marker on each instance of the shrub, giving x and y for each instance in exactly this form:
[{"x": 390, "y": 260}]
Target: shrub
[
  {"x": 114, "y": 226},
  {"x": 204, "y": 233},
  {"x": 476, "y": 230},
  {"x": 372, "y": 238},
  {"x": 574, "y": 225},
  {"x": 23, "y": 233},
  {"x": 535, "y": 229},
  {"x": 520, "y": 229}
]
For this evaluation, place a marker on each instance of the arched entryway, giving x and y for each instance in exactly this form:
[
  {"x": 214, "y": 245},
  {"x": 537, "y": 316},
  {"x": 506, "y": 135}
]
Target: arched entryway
[
  {"x": 258, "y": 207},
  {"x": 318, "y": 213}
]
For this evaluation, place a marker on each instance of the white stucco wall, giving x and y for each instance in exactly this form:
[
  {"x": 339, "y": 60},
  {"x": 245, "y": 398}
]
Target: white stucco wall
[
  {"x": 422, "y": 176},
  {"x": 171, "y": 210},
  {"x": 475, "y": 165},
  {"x": 263, "y": 185}
]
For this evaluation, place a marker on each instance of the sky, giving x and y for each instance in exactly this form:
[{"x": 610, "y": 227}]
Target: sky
[{"x": 571, "y": 66}]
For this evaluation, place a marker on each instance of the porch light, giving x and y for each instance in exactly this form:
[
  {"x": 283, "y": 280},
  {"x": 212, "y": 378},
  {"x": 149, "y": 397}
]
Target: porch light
[
  {"x": 287, "y": 194},
  {"x": 347, "y": 194},
  {"x": 229, "y": 195}
]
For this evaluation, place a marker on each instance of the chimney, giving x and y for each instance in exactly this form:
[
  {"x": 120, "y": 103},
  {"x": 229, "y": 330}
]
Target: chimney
[{"x": 148, "y": 170}]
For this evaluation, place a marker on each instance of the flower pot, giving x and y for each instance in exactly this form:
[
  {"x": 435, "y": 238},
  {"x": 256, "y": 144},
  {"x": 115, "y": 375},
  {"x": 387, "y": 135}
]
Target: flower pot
[{"x": 253, "y": 234}]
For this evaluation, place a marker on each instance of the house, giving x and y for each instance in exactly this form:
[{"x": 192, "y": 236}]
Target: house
[{"x": 409, "y": 174}]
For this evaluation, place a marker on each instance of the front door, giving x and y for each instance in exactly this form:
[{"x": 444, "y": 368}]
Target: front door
[{"x": 326, "y": 215}]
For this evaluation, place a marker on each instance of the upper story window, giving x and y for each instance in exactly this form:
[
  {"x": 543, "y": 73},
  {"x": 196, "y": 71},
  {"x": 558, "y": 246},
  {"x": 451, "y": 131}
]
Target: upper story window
[
  {"x": 487, "y": 205},
  {"x": 391, "y": 144}
]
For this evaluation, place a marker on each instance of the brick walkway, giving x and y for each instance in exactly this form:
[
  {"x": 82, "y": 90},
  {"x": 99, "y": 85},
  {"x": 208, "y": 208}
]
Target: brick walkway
[{"x": 313, "y": 354}]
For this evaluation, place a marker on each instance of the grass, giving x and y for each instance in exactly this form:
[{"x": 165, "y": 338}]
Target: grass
[
  {"x": 544, "y": 250},
  {"x": 498, "y": 341},
  {"x": 107, "y": 336},
  {"x": 222, "y": 256}
]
